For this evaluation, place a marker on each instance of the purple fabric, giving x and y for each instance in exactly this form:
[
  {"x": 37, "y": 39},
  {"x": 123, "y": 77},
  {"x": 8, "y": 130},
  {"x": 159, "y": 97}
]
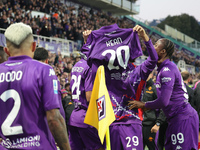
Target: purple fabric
[
  {"x": 183, "y": 134},
  {"x": 33, "y": 86},
  {"x": 126, "y": 137},
  {"x": 171, "y": 91},
  {"x": 80, "y": 83},
  {"x": 84, "y": 138},
  {"x": 114, "y": 47}
]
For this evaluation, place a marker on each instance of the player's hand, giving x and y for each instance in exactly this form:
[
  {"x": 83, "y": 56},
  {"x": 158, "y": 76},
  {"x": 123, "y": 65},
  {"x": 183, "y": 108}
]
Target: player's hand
[
  {"x": 155, "y": 129},
  {"x": 86, "y": 34},
  {"x": 1, "y": 140},
  {"x": 136, "y": 104},
  {"x": 141, "y": 32}
]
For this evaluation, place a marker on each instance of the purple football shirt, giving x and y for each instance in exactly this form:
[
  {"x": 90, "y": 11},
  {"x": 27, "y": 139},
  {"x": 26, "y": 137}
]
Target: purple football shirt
[
  {"x": 80, "y": 83},
  {"x": 182, "y": 131},
  {"x": 175, "y": 100},
  {"x": 28, "y": 89},
  {"x": 114, "y": 47}
]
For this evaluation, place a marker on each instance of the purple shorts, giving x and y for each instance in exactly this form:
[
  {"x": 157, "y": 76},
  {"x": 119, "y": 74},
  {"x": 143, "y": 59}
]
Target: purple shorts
[
  {"x": 183, "y": 134},
  {"x": 126, "y": 137},
  {"x": 84, "y": 138}
]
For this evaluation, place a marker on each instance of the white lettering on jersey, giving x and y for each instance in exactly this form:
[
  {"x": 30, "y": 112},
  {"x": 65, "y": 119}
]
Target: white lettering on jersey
[
  {"x": 13, "y": 64},
  {"x": 166, "y": 69},
  {"x": 166, "y": 79},
  {"x": 110, "y": 33},
  {"x": 11, "y": 76},
  {"x": 77, "y": 69},
  {"x": 114, "y": 42},
  {"x": 51, "y": 72},
  {"x": 55, "y": 86},
  {"x": 31, "y": 141}
]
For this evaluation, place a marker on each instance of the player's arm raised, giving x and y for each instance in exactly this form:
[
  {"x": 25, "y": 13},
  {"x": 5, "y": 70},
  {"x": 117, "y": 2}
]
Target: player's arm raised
[
  {"x": 58, "y": 128},
  {"x": 141, "y": 32}
]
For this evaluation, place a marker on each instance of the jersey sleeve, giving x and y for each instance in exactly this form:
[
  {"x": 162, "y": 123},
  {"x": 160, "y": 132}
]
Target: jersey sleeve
[
  {"x": 50, "y": 89},
  {"x": 88, "y": 46},
  {"x": 135, "y": 46},
  {"x": 147, "y": 67},
  {"x": 89, "y": 80},
  {"x": 167, "y": 79}
]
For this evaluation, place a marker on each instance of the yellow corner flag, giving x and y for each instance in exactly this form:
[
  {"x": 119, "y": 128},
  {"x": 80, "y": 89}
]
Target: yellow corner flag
[{"x": 100, "y": 113}]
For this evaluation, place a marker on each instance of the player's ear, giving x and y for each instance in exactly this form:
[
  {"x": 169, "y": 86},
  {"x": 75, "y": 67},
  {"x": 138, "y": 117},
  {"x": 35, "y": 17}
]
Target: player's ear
[
  {"x": 46, "y": 61},
  {"x": 6, "y": 50},
  {"x": 33, "y": 46}
]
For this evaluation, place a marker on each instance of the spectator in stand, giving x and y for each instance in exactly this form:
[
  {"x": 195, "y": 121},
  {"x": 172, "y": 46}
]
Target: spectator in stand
[
  {"x": 68, "y": 104},
  {"x": 68, "y": 68}
]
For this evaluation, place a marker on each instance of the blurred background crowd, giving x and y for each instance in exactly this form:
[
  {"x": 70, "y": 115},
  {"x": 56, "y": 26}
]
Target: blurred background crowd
[{"x": 68, "y": 22}]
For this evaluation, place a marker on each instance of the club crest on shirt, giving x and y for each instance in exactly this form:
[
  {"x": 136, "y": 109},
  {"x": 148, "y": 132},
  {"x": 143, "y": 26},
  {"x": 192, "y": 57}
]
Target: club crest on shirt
[
  {"x": 101, "y": 107},
  {"x": 157, "y": 84}
]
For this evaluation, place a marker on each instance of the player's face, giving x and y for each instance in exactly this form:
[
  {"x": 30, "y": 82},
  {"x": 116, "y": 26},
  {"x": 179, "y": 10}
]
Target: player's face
[{"x": 159, "y": 47}]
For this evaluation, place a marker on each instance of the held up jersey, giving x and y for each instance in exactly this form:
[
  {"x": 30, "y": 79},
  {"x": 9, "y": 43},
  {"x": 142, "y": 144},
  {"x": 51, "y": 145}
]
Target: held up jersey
[
  {"x": 28, "y": 89},
  {"x": 114, "y": 47}
]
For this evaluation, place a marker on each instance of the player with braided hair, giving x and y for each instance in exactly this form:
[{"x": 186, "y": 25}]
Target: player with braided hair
[{"x": 183, "y": 121}]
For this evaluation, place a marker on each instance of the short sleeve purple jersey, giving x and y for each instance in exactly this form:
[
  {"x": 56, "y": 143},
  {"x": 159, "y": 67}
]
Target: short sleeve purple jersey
[
  {"x": 170, "y": 82},
  {"x": 80, "y": 83},
  {"x": 114, "y": 47},
  {"x": 28, "y": 89}
]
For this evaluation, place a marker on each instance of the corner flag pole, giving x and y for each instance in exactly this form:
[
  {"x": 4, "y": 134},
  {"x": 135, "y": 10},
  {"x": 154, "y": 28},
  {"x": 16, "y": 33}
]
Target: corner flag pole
[{"x": 108, "y": 146}]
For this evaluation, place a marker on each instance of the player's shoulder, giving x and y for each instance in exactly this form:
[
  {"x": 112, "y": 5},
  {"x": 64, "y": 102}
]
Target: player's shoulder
[
  {"x": 169, "y": 70},
  {"x": 40, "y": 64},
  {"x": 80, "y": 66}
]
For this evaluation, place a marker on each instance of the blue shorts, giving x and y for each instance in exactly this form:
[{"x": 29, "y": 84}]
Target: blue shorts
[
  {"x": 84, "y": 138},
  {"x": 183, "y": 134},
  {"x": 126, "y": 137}
]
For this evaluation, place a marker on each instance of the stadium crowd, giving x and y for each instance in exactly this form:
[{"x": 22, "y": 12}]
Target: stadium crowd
[{"x": 69, "y": 22}]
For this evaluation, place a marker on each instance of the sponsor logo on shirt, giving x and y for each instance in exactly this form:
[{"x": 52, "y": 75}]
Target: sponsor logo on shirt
[
  {"x": 31, "y": 141},
  {"x": 101, "y": 106},
  {"x": 51, "y": 72},
  {"x": 166, "y": 79},
  {"x": 166, "y": 69},
  {"x": 55, "y": 86}
]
